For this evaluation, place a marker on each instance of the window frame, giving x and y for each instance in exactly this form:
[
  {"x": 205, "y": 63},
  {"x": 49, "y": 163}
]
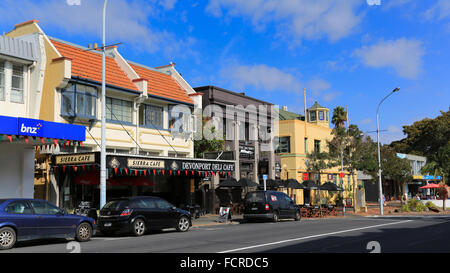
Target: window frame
[
  {"x": 73, "y": 92},
  {"x": 150, "y": 125},
  {"x": 18, "y": 201},
  {"x": 22, "y": 81},
  {"x": 278, "y": 151},
  {"x": 2, "y": 80},
  {"x": 109, "y": 109},
  {"x": 317, "y": 145}
]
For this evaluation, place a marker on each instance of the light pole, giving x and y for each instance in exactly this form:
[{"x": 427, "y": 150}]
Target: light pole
[
  {"x": 103, "y": 130},
  {"x": 380, "y": 189}
]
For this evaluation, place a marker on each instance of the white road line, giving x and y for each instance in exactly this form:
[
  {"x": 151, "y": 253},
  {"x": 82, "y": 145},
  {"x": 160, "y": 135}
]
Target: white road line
[{"x": 313, "y": 236}]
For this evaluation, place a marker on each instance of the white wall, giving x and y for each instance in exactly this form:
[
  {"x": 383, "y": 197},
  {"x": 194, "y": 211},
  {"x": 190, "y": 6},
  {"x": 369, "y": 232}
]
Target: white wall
[{"x": 16, "y": 171}]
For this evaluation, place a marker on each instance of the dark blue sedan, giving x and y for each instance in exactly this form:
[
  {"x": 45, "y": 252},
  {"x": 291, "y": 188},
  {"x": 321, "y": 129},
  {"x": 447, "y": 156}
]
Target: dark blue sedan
[{"x": 29, "y": 219}]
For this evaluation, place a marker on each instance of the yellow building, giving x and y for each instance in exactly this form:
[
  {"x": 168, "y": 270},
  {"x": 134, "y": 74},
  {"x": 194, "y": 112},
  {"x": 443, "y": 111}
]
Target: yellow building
[{"x": 298, "y": 138}]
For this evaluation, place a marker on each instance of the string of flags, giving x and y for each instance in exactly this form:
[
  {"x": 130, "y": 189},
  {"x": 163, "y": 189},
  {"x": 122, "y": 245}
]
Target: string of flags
[
  {"x": 135, "y": 172},
  {"x": 46, "y": 142}
]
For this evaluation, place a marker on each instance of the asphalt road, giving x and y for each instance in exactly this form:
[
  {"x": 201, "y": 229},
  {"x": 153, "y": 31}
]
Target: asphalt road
[{"x": 332, "y": 235}]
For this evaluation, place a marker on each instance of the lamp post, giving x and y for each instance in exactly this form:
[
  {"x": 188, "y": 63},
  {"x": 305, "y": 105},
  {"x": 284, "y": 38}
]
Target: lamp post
[
  {"x": 380, "y": 189},
  {"x": 103, "y": 129}
]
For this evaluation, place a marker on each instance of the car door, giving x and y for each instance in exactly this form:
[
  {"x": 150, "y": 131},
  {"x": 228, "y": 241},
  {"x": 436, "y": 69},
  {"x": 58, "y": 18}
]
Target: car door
[
  {"x": 21, "y": 215},
  {"x": 166, "y": 213},
  {"x": 151, "y": 213},
  {"x": 291, "y": 207},
  {"x": 51, "y": 222}
]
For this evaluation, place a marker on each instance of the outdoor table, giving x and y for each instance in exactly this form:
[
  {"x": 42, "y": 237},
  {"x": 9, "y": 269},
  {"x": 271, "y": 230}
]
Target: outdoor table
[{"x": 305, "y": 211}]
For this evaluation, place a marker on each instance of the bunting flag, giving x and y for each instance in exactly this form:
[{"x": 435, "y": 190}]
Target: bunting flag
[
  {"x": 115, "y": 171},
  {"x": 186, "y": 172},
  {"x": 56, "y": 142},
  {"x": 163, "y": 172},
  {"x": 10, "y": 138},
  {"x": 229, "y": 173},
  {"x": 135, "y": 172},
  {"x": 199, "y": 173},
  {"x": 54, "y": 169},
  {"x": 170, "y": 172},
  {"x": 75, "y": 168},
  {"x": 154, "y": 172},
  {"x": 43, "y": 140},
  {"x": 84, "y": 168},
  {"x": 26, "y": 139},
  {"x": 64, "y": 168},
  {"x": 193, "y": 173},
  {"x": 145, "y": 172},
  {"x": 126, "y": 171},
  {"x": 81, "y": 143}
]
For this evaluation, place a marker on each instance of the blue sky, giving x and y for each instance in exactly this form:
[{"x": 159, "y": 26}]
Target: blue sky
[{"x": 345, "y": 53}]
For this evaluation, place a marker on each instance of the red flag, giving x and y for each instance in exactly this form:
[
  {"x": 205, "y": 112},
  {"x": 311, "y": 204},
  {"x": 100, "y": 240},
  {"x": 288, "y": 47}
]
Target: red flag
[
  {"x": 135, "y": 172},
  {"x": 10, "y": 138},
  {"x": 26, "y": 139},
  {"x": 75, "y": 168},
  {"x": 186, "y": 172},
  {"x": 145, "y": 172},
  {"x": 193, "y": 173},
  {"x": 115, "y": 170},
  {"x": 163, "y": 172},
  {"x": 229, "y": 173},
  {"x": 56, "y": 141},
  {"x": 126, "y": 171},
  {"x": 54, "y": 168},
  {"x": 154, "y": 172},
  {"x": 170, "y": 172},
  {"x": 199, "y": 173},
  {"x": 81, "y": 143},
  {"x": 178, "y": 172},
  {"x": 64, "y": 168},
  {"x": 43, "y": 140}
]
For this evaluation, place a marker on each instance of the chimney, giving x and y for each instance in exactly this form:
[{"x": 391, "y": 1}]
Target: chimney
[
  {"x": 89, "y": 45},
  {"x": 285, "y": 108},
  {"x": 95, "y": 45}
]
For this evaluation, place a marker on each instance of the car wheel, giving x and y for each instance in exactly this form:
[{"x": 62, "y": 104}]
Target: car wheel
[
  {"x": 138, "y": 227},
  {"x": 298, "y": 216},
  {"x": 275, "y": 217},
  {"x": 183, "y": 224},
  {"x": 7, "y": 238},
  {"x": 84, "y": 232}
]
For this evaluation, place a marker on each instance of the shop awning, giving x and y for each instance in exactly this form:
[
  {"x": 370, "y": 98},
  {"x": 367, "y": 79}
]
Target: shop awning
[{"x": 41, "y": 131}]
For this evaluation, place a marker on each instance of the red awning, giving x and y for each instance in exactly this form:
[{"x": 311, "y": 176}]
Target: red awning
[{"x": 430, "y": 186}]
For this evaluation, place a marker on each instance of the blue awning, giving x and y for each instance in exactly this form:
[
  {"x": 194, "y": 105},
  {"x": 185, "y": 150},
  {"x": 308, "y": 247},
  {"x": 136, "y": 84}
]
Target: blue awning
[{"x": 41, "y": 128}]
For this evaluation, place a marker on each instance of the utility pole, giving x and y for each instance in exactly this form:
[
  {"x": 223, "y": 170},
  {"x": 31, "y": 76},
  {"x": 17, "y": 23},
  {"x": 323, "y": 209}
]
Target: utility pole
[{"x": 103, "y": 129}]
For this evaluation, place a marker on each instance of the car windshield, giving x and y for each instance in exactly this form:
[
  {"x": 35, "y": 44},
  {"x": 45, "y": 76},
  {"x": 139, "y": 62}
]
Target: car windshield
[
  {"x": 255, "y": 197},
  {"x": 116, "y": 204}
]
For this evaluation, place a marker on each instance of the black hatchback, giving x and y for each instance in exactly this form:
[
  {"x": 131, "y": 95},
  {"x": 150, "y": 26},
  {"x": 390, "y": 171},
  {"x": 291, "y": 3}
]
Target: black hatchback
[
  {"x": 137, "y": 215},
  {"x": 270, "y": 205}
]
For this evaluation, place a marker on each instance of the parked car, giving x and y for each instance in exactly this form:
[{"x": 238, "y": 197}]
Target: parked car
[
  {"x": 29, "y": 219},
  {"x": 270, "y": 205},
  {"x": 137, "y": 215}
]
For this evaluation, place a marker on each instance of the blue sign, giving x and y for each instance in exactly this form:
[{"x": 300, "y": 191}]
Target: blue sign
[
  {"x": 41, "y": 128},
  {"x": 265, "y": 176}
]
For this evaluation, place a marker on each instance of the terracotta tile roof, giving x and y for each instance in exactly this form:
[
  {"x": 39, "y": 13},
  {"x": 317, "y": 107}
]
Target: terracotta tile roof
[
  {"x": 88, "y": 65},
  {"x": 161, "y": 84}
]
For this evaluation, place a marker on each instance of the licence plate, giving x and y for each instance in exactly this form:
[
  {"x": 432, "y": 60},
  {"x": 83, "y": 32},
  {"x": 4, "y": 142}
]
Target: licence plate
[
  {"x": 107, "y": 224},
  {"x": 254, "y": 208}
]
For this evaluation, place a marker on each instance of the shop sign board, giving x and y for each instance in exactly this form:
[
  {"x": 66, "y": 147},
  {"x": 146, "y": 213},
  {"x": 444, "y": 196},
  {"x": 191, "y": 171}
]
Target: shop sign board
[
  {"x": 74, "y": 159},
  {"x": 134, "y": 163}
]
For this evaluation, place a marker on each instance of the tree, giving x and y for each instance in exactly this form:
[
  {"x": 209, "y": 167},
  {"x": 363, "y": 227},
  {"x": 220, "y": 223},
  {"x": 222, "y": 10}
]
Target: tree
[
  {"x": 317, "y": 161},
  {"x": 339, "y": 117},
  {"x": 350, "y": 150},
  {"x": 430, "y": 138},
  {"x": 394, "y": 169},
  {"x": 204, "y": 145}
]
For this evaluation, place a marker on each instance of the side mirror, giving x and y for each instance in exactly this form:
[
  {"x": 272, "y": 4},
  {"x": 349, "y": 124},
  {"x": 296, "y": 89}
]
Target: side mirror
[
  {"x": 173, "y": 208},
  {"x": 61, "y": 213}
]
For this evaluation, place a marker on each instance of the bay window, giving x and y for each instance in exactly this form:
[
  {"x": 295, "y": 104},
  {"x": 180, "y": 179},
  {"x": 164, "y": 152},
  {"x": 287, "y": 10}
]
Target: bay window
[
  {"x": 79, "y": 100},
  {"x": 153, "y": 116}
]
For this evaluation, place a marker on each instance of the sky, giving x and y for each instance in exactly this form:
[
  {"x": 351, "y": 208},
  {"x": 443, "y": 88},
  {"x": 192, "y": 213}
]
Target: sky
[{"x": 348, "y": 53}]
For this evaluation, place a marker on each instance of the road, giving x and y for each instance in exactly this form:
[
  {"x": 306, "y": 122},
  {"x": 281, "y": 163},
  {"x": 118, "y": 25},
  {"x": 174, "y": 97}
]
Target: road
[{"x": 332, "y": 235}]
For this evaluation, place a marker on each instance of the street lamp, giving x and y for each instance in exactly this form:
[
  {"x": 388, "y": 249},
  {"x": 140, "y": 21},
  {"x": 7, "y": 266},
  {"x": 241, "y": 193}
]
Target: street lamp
[
  {"x": 103, "y": 130},
  {"x": 380, "y": 189}
]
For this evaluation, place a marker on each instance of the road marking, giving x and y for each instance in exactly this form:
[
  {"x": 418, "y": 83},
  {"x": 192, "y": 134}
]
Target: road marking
[{"x": 313, "y": 236}]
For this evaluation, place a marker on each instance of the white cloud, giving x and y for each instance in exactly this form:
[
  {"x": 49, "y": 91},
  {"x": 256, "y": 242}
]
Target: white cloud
[
  {"x": 440, "y": 10},
  {"x": 127, "y": 21},
  {"x": 260, "y": 76},
  {"x": 366, "y": 121},
  {"x": 403, "y": 55},
  {"x": 298, "y": 19},
  {"x": 331, "y": 96}
]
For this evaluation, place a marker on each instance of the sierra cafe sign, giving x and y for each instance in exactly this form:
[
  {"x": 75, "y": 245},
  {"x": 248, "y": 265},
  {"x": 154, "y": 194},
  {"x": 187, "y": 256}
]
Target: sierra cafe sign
[{"x": 75, "y": 159}]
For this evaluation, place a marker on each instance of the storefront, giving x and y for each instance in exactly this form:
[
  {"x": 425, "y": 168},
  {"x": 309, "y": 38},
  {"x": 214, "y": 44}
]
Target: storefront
[
  {"x": 181, "y": 181},
  {"x": 19, "y": 139}
]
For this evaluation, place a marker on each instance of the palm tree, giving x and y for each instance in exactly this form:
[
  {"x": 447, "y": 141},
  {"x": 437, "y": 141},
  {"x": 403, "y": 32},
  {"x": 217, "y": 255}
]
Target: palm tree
[{"x": 339, "y": 117}]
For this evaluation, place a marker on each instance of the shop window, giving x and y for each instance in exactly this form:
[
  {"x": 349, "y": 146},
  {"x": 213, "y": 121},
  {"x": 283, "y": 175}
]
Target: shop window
[
  {"x": 153, "y": 116},
  {"x": 312, "y": 116},
  {"x": 119, "y": 110},
  {"x": 79, "y": 100},
  {"x": 17, "y": 84},
  {"x": 181, "y": 113},
  {"x": 2, "y": 80}
]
